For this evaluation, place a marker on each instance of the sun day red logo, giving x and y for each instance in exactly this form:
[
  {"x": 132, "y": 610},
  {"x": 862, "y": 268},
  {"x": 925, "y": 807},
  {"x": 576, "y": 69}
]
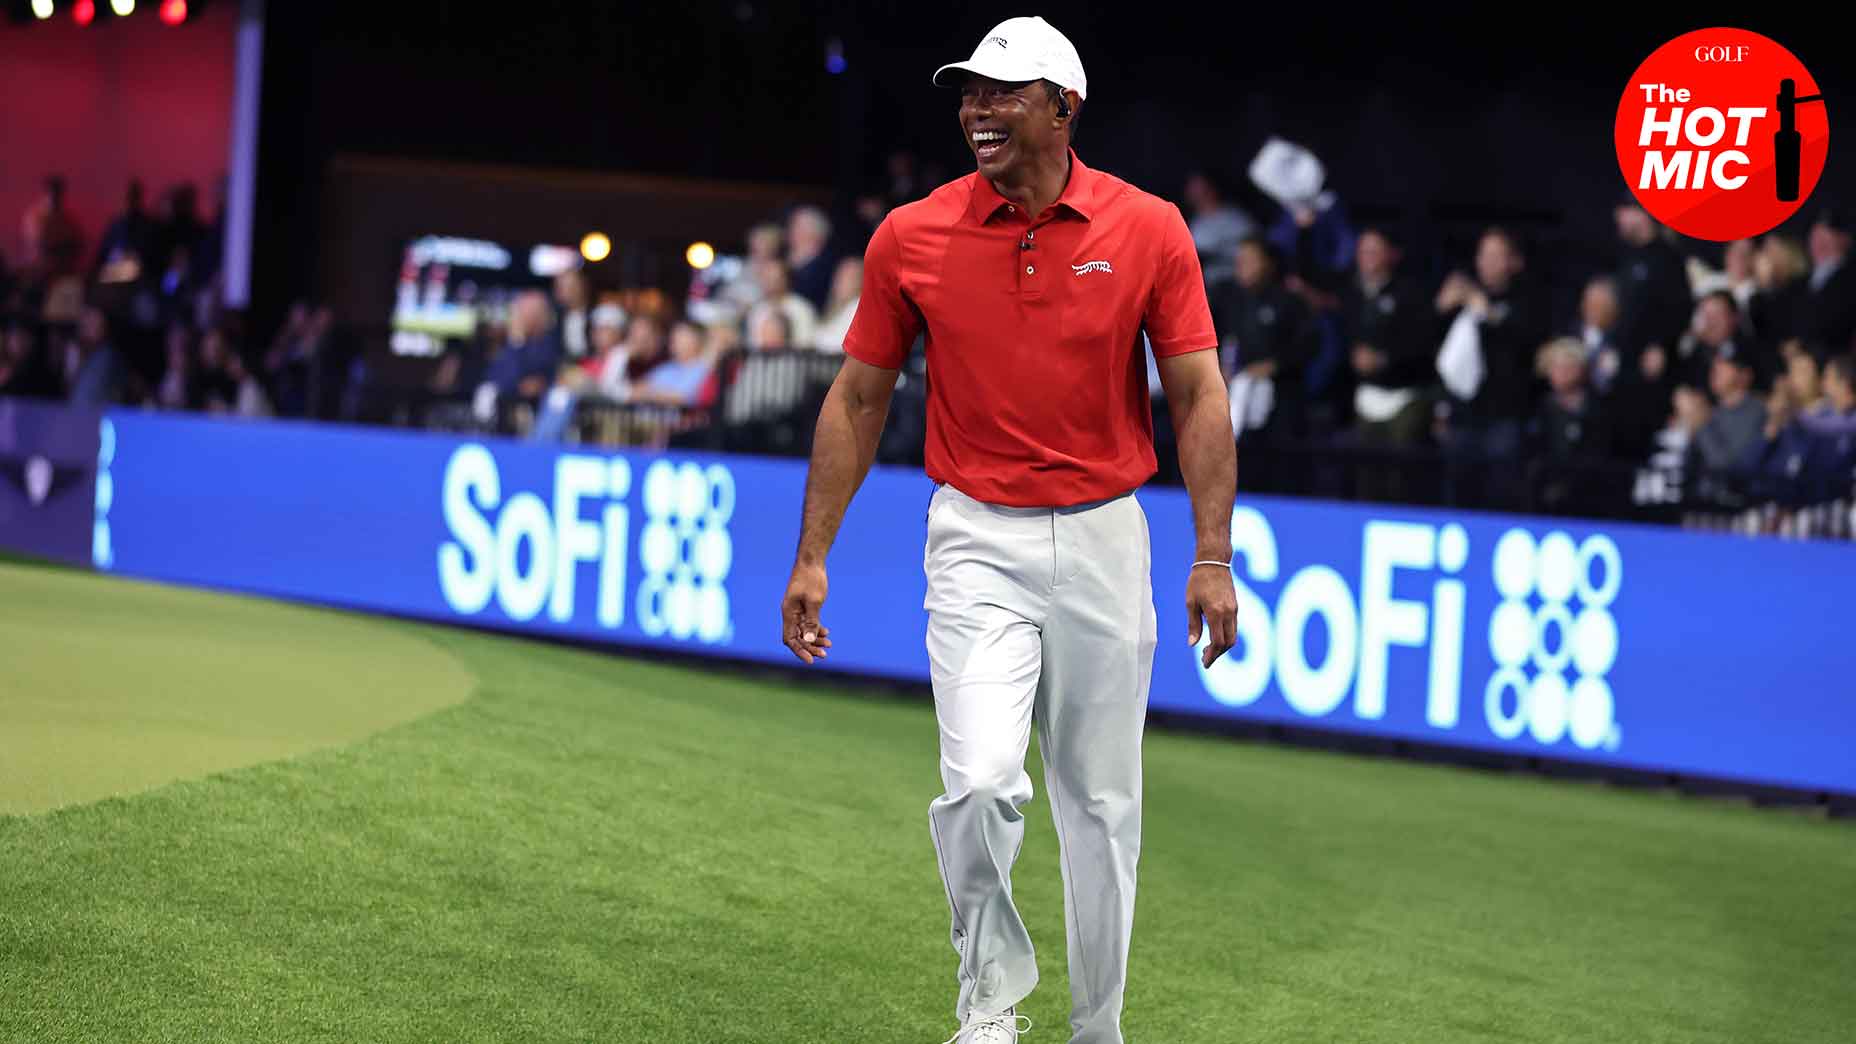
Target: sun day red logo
[{"x": 1722, "y": 134}]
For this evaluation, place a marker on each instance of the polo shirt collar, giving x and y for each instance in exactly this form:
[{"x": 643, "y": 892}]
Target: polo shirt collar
[{"x": 1078, "y": 195}]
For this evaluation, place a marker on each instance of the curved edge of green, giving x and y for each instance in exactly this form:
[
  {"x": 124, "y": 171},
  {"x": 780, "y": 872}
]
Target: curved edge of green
[{"x": 115, "y": 686}]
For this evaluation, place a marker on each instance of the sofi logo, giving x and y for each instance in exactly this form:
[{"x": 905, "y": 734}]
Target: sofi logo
[
  {"x": 1534, "y": 634},
  {"x": 531, "y": 551}
]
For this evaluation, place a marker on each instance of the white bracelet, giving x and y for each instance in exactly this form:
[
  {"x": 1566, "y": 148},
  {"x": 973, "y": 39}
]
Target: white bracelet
[{"x": 1226, "y": 565}]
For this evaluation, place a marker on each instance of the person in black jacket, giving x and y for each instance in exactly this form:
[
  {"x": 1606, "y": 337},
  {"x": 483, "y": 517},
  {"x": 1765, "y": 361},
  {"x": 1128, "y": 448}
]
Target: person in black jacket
[
  {"x": 1655, "y": 306},
  {"x": 1828, "y": 313},
  {"x": 1386, "y": 329},
  {"x": 1511, "y": 323},
  {"x": 1265, "y": 331}
]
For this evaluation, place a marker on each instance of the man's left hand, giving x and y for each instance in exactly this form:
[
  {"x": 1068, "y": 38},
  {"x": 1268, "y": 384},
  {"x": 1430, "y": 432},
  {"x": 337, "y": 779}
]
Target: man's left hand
[{"x": 1211, "y": 605}]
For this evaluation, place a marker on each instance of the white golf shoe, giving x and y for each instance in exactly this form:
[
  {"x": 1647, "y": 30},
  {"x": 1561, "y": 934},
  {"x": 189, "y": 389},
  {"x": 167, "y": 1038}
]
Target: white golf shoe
[{"x": 1002, "y": 1028}]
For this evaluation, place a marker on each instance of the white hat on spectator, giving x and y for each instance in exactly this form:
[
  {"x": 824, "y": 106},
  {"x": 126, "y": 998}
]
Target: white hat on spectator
[
  {"x": 1022, "y": 49},
  {"x": 1290, "y": 174},
  {"x": 608, "y": 315}
]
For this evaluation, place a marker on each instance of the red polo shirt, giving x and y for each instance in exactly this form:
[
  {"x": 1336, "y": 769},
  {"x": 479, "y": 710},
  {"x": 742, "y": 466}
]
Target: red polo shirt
[{"x": 1037, "y": 386}]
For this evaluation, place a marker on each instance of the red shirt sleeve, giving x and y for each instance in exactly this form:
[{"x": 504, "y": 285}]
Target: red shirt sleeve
[
  {"x": 1178, "y": 319},
  {"x": 885, "y": 324}
]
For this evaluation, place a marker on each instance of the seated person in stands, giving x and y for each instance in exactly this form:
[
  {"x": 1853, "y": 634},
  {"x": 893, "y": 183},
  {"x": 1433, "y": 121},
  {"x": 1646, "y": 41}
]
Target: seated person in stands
[
  {"x": 1738, "y": 419},
  {"x": 1569, "y": 431},
  {"x": 1570, "y": 423},
  {"x": 1834, "y": 430},
  {"x": 525, "y": 366},
  {"x": 841, "y": 305},
  {"x": 768, "y": 330},
  {"x": 24, "y": 370},
  {"x": 1265, "y": 332},
  {"x": 777, "y": 294},
  {"x": 1714, "y": 327},
  {"x": 770, "y": 381},
  {"x": 679, "y": 380}
]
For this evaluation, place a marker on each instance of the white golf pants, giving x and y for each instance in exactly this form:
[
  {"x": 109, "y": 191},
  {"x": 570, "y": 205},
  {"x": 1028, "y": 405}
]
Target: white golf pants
[{"x": 1040, "y": 615}]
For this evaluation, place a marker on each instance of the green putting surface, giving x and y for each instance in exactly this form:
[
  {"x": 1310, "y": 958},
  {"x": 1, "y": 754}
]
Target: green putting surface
[
  {"x": 111, "y": 687},
  {"x": 596, "y": 849}
]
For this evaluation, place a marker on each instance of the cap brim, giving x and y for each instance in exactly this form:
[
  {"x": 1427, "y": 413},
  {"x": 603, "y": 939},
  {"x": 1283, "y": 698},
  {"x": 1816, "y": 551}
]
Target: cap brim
[{"x": 952, "y": 73}]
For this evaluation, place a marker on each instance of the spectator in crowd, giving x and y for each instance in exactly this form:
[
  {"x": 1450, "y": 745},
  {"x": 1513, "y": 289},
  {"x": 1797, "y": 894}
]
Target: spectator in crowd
[
  {"x": 522, "y": 371},
  {"x": 605, "y": 349},
  {"x": 776, "y": 295},
  {"x": 24, "y": 371},
  {"x": 224, "y": 384},
  {"x": 290, "y": 366},
  {"x": 769, "y": 330},
  {"x": 1714, "y": 328},
  {"x": 52, "y": 236},
  {"x": 809, "y": 256},
  {"x": 1569, "y": 432},
  {"x": 92, "y": 367},
  {"x": 1738, "y": 419},
  {"x": 1828, "y": 312},
  {"x": 176, "y": 288},
  {"x": 1597, "y": 329},
  {"x": 720, "y": 341},
  {"x": 127, "y": 244},
  {"x": 1570, "y": 423},
  {"x": 180, "y": 228},
  {"x": 1384, "y": 325},
  {"x": 575, "y": 299},
  {"x": 603, "y": 372},
  {"x": 767, "y": 384},
  {"x": 679, "y": 380},
  {"x": 1777, "y": 303},
  {"x": 178, "y": 389},
  {"x": 847, "y": 285},
  {"x": 1217, "y": 228},
  {"x": 644, "y": 345},
  {"x": 1736, "y": 274},
  {"x": 1838, "y": 420},
  {"x": 1510, "y": 322},
  {"x": 1804, "y": 379},
  {"x": 744, "y": 291},
  {"x": 1267, "y": 335},
  {"x": 1654, "y": 299}
]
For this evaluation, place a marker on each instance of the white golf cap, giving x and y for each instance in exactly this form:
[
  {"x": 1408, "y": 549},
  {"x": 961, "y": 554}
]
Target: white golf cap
[{"x": 1021, "y": 49}]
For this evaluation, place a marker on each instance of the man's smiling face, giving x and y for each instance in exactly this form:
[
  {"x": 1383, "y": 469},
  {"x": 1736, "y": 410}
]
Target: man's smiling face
[{"x": 1005, "y": 124}]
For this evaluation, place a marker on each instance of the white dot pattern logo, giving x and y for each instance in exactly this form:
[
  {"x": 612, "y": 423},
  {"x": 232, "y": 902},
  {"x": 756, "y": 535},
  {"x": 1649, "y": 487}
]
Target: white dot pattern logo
[
  {"x": 1554, "y": 616},
  {"x": 686, "y": 552}
]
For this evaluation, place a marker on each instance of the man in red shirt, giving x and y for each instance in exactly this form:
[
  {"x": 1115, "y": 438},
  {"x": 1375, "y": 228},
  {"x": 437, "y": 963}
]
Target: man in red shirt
[{"x": 1034, "y": 280}]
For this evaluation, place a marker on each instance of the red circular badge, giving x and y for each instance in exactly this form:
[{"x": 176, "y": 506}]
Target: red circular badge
[{"x": 1722, "y": 134}]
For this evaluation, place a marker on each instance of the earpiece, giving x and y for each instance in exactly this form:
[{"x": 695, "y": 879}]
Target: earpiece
[{"x": 1063, "y": 107}]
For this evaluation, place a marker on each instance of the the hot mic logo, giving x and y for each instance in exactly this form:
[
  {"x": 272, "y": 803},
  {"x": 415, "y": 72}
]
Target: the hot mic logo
[{"x": 1721, "y": 134}]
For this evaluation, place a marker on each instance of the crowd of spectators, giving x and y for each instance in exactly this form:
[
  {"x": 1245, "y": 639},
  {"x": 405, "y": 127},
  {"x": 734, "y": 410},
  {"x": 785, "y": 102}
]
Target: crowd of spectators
[
  {"x": 135, "y": 315},
  {"x": 531, "y": 369},
  {"x": 1677, "y": 372},
  {"x": 1681, "y": 372}
]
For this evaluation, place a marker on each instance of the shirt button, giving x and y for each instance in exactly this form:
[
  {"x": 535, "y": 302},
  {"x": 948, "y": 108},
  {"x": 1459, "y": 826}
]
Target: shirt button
[
  {"x": 1031, "y": 269},
  {"x": 1010, "y": 209}
]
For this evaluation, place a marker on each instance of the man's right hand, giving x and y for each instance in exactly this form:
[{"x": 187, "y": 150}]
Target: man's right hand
[{"x": 805, "y": 596}]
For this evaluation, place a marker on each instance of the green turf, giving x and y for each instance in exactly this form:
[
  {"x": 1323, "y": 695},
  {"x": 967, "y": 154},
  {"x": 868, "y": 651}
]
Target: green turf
[
  {"x": 118, "y": 686},
  {"x": 591, "y": 849}
]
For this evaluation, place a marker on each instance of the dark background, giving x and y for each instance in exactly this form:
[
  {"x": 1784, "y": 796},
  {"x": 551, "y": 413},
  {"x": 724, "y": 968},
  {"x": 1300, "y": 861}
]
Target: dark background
[{"x": 1446, "y": 120}]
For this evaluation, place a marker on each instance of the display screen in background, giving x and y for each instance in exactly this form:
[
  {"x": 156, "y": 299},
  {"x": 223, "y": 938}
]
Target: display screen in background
[{"x": 450, "y": 286}]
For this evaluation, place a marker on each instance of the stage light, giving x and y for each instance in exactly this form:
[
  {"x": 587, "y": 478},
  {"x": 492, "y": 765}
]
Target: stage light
[
  {"x": 123, "y": 8},
  {"x": 700, "y": 255},
  {"x": 173, "y": 12},
  {"x": 85, "y": 12},
  {"x": 41, "y": 9},
  {"x": 594, "y": 246}
]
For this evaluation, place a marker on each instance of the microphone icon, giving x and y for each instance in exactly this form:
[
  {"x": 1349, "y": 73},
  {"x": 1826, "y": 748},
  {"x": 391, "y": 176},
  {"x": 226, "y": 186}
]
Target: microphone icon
[{"x": 1787, "y": 143}]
